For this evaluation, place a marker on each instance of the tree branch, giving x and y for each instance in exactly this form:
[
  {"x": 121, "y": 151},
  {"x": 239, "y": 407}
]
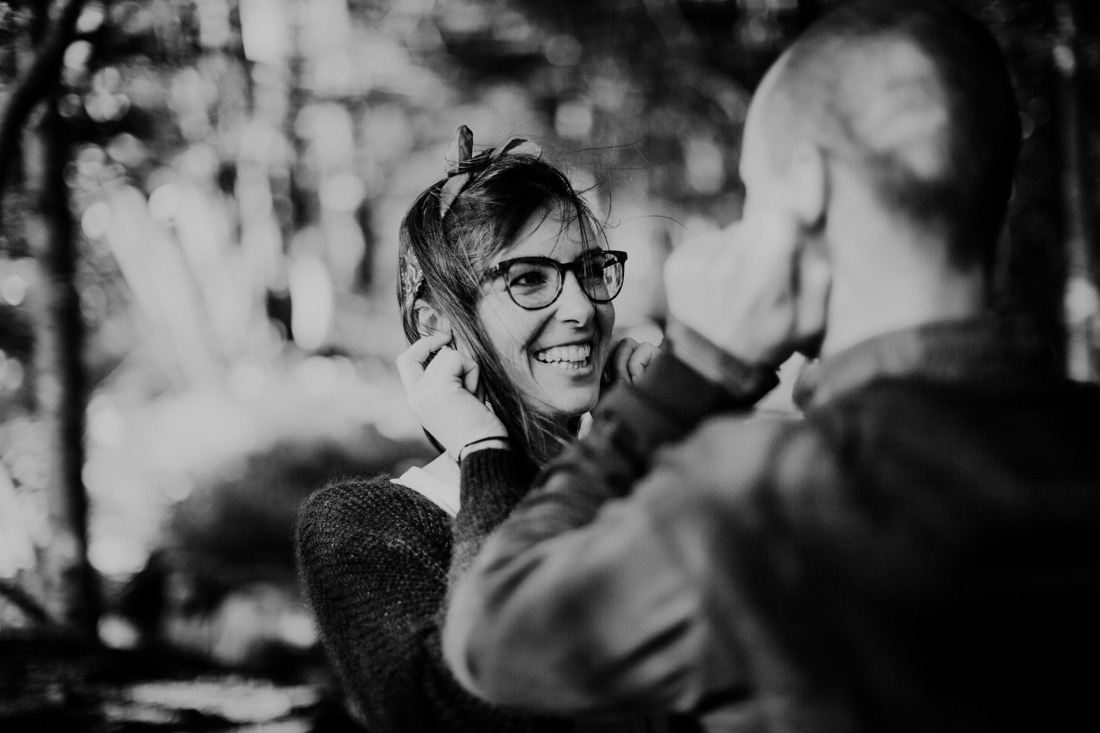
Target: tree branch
[{"x": 34, "y": 85}]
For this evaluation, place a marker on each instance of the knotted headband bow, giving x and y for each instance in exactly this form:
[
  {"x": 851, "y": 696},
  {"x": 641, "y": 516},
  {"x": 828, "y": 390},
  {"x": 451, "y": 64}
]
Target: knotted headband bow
[{"x": 459, "y": 168}]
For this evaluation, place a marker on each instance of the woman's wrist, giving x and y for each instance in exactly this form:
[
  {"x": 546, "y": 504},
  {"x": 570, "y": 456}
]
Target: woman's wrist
[{"x": 498, "y": 442}]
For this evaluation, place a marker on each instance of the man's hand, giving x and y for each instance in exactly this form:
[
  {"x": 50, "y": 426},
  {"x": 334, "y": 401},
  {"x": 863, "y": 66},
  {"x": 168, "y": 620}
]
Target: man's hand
[
  {"x": 442, "y": 394},
  {"x": 754, "y": 289}
]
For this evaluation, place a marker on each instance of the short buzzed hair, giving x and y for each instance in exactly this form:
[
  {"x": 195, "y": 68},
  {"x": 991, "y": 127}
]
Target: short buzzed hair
[{"x": 916, "y": 93}]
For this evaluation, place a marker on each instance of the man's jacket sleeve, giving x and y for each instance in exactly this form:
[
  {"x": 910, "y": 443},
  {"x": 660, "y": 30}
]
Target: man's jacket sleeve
[{"x": 582, "y": 601}]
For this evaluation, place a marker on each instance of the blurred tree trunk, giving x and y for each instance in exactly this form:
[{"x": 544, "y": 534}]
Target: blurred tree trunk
[
  {"x": 34, "y": 133},
  {"x": 1036, "y": 266},
  {"x": 60, "y": 387},
  {"x": 1081, "y": 301}
]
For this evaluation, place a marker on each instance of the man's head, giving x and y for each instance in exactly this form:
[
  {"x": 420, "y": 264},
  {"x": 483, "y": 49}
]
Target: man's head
[
  {"x": 887, "y": 138},
  {"x": 915, "y": 97}
]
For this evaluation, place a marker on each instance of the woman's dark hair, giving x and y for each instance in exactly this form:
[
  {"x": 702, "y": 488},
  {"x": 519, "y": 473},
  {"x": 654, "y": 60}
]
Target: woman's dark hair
[{"x": 443, "y": 259}]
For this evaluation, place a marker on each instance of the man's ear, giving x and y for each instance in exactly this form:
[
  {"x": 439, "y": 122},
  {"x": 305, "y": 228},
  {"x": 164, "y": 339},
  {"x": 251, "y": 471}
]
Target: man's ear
[
  {"x": 807, "y": 188},
  {"x": 428, "y": 320}
]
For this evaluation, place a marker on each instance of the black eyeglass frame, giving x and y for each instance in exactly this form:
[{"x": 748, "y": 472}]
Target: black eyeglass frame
[{"x": 501, "y": 270}]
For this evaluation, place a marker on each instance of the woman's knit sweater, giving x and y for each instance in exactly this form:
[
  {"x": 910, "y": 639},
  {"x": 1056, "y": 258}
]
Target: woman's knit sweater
[{"x": 373, "y": 561}]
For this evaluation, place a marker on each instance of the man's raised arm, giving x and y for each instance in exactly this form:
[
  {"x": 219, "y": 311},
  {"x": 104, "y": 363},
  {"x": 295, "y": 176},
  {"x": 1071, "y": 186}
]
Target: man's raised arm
[{"x": 578, "y": 603}]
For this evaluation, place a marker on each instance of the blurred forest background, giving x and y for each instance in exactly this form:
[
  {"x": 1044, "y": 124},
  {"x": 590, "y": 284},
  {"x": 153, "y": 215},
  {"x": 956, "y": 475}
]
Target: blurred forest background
[{"x": 199, "y": 203}]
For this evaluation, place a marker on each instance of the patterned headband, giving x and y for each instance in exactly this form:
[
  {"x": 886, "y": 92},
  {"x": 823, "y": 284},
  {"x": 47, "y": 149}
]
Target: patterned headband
[{"x": 460, "y": 167}]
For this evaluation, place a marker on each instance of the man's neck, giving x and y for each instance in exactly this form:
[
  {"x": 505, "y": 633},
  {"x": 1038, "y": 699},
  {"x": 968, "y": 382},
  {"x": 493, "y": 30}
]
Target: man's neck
[{"x": 873, "y": 302}]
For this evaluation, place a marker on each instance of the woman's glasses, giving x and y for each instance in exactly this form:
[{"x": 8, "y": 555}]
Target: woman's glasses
[{"x": 536, "y": 282}]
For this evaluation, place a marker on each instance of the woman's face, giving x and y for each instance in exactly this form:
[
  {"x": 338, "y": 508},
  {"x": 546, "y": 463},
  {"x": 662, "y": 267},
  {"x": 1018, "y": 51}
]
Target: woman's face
[{"x": 555, "y": 355}]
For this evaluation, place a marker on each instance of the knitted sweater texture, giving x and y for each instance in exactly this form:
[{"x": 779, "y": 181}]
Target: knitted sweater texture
[{"x": 373, "y": 562}]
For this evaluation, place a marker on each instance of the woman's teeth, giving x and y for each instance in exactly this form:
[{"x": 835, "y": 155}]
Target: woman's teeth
[{"x": 566, "y": 357}]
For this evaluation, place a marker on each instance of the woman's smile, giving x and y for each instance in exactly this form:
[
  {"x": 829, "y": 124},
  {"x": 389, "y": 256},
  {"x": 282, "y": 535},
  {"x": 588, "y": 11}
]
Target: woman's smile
[{"x": 572, "y": 357}]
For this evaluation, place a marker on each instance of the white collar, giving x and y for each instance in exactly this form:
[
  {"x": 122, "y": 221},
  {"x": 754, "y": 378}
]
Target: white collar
[{"x": 443, "y": 494}]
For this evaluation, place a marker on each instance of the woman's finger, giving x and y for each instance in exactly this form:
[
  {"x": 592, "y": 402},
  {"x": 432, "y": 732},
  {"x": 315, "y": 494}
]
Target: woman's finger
[
  {"x": 453, "y": 366},
  {"x": 610, "y": 368},
  {"x": 471, "y": 378},
  {"x": 623, "y": 352},
  {"x": 426, "y": 346},
  {"x": 639, "y": 361},
  {"x": 446, "y": 365},
  {"x": 410, "y": 363}
]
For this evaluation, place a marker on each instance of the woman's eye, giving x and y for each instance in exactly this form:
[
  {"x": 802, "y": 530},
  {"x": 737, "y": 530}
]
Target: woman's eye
[{"x": 527, "y": 278}]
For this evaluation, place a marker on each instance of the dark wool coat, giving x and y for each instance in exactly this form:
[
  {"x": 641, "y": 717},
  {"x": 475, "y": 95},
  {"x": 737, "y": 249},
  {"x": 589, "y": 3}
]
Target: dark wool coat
[{"x": 919, "y": 552}]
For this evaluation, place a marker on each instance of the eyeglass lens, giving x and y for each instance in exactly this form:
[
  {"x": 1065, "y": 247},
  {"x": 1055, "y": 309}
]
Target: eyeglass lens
[{"x": 534, "y": 283}]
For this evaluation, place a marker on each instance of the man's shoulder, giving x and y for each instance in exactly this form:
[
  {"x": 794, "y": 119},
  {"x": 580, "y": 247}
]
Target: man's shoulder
[
  {"x": 900, "y": 445},
  {"x": 912, "y": 409}
]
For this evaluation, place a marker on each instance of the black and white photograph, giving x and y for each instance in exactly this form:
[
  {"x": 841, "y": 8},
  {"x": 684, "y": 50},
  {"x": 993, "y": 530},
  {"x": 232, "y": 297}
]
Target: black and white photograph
[{"x": 549, "y": 366}]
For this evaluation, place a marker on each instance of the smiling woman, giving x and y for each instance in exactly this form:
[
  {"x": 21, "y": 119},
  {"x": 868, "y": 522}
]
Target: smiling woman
[
  {"x": 466, "y": 244},
  {"x": 505, "y": 294}
]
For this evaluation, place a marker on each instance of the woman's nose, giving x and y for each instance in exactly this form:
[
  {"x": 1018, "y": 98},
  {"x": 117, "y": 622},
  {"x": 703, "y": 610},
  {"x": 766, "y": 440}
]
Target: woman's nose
[{"x": 574, "y": 304}]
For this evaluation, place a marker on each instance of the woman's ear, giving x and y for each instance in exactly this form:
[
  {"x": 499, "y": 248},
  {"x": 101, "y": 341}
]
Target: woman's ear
[{"x": 429, "y": 321}]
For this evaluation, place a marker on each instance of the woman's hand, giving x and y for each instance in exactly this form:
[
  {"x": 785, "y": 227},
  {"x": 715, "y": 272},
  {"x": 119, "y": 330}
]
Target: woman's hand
[
  {"x": 628, "y": 361},
  {"x": 442, "y": 395}
]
